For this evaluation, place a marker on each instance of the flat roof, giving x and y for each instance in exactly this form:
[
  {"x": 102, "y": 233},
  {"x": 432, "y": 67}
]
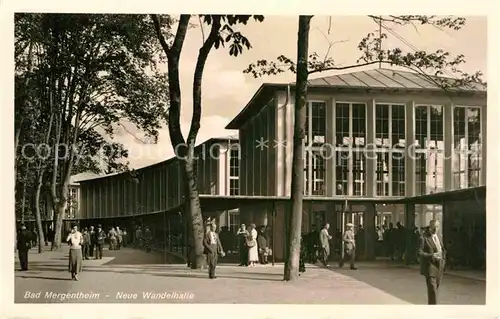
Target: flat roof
[
  {"x": 171, "y": 159},
  {"x": 377, "y": 80}
]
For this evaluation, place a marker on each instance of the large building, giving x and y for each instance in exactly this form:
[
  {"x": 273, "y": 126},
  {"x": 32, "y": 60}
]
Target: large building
[
  {"x": 373, "y": 138},
  {"x": 141, "y": 196},
  {"x": 382, "y": 146}
]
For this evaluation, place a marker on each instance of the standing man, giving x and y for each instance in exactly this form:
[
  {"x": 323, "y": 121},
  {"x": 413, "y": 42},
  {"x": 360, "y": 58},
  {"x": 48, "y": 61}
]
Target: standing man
[
  {"x": 119, "y": 237},
  {"x": 432, "y": 260},
  {"x": 242, "y": 244},
  {"x": 148, "y": 239},
  {"x": 92, "y": 241},
  {"x": 100, "y": 235},
  {"x": 213, "y": 247},
  {"x": 24, "y": 239},
  {"x": 324, "y": 238},
  {"x": 349, "y": 241},
  {"x": 86, "y": 243}
]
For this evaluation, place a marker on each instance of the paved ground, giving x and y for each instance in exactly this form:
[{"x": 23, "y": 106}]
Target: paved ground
[{"x": 130, "y": 275}]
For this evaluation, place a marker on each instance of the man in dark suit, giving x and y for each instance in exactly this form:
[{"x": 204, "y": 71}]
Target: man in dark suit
[
  {"x": 24, "y": 239},
  {"x": 213, "y": 247},
  {"x": 92, "y": 242},
  {"x": 100, "y": 236},
  {"x": 432, "y": 260}
]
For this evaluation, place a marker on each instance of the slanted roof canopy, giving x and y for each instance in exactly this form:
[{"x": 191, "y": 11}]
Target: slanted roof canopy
[{"x": 377, "y": 80}]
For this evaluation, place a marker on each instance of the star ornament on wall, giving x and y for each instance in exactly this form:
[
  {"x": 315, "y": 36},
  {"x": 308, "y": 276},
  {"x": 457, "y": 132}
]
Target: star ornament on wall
[
  {"x": 279, "y": 143},
  {"x": 261, "y": 143}
]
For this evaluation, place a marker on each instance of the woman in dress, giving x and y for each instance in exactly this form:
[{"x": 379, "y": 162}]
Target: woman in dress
[
  {"x": 75, "y": 241},
  {"x": 253, "y": 252}
]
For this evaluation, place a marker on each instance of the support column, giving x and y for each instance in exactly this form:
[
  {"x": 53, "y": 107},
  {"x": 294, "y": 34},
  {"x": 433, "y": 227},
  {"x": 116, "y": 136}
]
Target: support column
[
  {"x": 482, "y": 180},
  {"x": 448, "y": 147},
  {"x": 371, "y": 156},
  {"x": 410, "y": 155},
  {"x": 330, "y": 149},
  {"x": 369, "y": 226},
  {"x": 409, "y": 222}
]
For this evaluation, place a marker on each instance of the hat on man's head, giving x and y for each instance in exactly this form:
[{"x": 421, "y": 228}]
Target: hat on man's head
[
  {"x": 349, "y": 225},
  {"x": 99, "y": 226}
]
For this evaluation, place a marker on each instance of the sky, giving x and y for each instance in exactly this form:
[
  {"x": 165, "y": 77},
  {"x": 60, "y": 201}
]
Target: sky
[{"x": 226, "y": 89}]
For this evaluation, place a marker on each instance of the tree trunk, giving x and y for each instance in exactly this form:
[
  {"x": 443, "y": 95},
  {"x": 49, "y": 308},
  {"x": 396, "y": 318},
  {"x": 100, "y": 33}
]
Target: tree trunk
[
  {"x": 58, "y": 222},
  {"x": 195, "y": 219},
  {"x": 23, "y": 202},
  {"x": 297, "y": 189},
  {"x": 39, "y": 226}
]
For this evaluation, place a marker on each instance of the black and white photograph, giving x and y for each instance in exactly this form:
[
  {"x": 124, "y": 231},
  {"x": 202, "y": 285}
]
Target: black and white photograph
[{"x": 249, "y": 159}]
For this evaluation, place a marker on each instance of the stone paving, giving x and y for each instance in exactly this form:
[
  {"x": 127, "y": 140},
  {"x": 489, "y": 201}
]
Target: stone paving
[{"x": 133, "y": 276}]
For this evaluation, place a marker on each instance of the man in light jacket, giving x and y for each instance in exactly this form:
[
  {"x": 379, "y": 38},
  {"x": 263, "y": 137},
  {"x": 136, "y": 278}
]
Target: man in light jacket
[
  {"x": 324, "y": 239},
  {"x": 349, "y": 241}
]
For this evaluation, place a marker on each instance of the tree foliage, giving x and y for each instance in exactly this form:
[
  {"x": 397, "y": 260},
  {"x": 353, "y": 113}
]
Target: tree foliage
[
  {"x": 432, "y": 65},
  {"x": 87, "y": 72}
]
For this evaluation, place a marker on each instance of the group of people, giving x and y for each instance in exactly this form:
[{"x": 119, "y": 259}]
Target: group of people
[
  {"x": 253, "y": 245},
  {"x": 143, "y": 238},
  {"x": 349, "y": 246}
]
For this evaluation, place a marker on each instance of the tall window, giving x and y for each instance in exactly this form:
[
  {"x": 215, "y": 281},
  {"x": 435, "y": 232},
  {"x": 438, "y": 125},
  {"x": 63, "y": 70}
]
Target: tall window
[
  {"x": 398, "y": 175},
  {"x": 318, "y": 174},
  {"x": 382, "y": 125},
  {"x": 467, "y": 146},
  {"x": 342, "y": 169},
  {"x": 234, "y": 221},
  {"x": 358, "y": 172},
  {"x": 318, "y": 123},
  {"x": 359, "y": 124},
  {"x": 234, "y": 172},
  {"x": 350, "y": 139},
  {"x": 390, "y": 140},
  {"x": 398, "y": 128},
  {"x": 474, "y": 146},
  {"x": 342, "y": 124},
  {"x": 429, "y": 136},
  {"x": 382, "y": 173},
  {"x": 314, "y": 161}
]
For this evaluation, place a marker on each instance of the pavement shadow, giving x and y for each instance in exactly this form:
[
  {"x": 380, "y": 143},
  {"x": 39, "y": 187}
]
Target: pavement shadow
[
  {"x": 45, "y": 278},
  {"x": 407, "y": 284}
]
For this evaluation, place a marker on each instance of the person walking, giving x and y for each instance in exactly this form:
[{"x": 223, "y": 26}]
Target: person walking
[
  {"x": 75, "y": 241},
  {"x": 100, "y": 236},
  {"x": 432, "y": 261},
  {"x": 119, "y": 238},
  {"x": 112, "y": 236},
  {"x": 253, "y": 253},
  {"x": 349, "y": 241},
  {"x": 92, "y": 242},
  {"x": 86, "y": 243},
  {"x": 24, "y": 239},
  {"x": 262, "y": 245},
  {"x": 324, "y": 239},
  {"x": 242, "y": 235},
  {"x": 212, "y": 247},
  {"x": 148, "y": 239}
]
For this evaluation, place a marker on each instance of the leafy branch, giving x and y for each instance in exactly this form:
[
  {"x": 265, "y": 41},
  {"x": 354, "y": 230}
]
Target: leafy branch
[{"x": 424, "y": 63}]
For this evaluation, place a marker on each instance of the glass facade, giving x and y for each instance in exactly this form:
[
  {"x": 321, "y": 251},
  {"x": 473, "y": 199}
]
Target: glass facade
[
  {"x": 390, "y": 143},
  {"x": 467, "y": 157},
  {"x": 234, "y": 171},
  {"x": 315, "y": 139},
  {"x": 429, "y": 157}
]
